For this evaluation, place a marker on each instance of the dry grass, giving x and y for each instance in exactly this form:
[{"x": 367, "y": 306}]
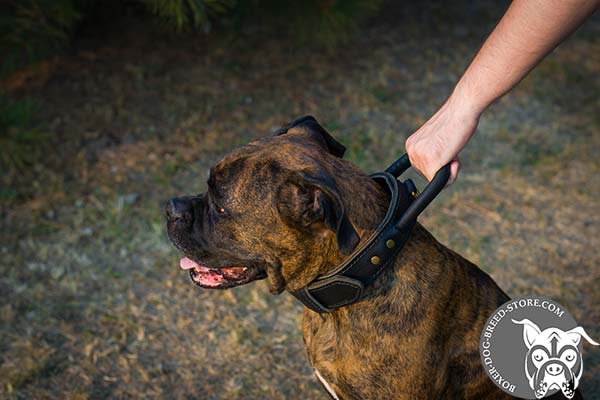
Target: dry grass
[{"x": 92, "y": 304}]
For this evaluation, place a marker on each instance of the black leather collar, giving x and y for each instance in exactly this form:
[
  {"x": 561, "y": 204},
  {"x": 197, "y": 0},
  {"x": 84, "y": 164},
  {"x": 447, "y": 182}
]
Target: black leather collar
[{"x": 346, "y": 283}]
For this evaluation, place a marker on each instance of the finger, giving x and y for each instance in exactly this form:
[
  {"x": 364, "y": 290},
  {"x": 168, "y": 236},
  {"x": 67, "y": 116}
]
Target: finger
[{"x": 454, "y": 167}]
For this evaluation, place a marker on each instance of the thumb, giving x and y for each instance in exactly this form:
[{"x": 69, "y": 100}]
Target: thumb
[{"x": 454, "y": 167}]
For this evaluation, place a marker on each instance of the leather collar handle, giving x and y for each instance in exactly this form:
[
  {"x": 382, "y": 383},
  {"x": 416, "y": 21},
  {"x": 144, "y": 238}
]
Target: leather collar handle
[{"x": 426, "y": 197}]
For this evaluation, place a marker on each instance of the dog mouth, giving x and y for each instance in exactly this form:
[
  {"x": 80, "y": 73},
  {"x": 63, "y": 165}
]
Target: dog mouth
[{"x": 221, "y": 278}]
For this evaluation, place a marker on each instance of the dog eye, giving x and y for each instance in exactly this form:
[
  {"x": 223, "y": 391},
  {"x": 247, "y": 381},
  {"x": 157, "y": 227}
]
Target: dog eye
[
  {"x": 569, "y": 355},
  {"x": 217, "y": 207},
  {"x": 538, "y": 355}
]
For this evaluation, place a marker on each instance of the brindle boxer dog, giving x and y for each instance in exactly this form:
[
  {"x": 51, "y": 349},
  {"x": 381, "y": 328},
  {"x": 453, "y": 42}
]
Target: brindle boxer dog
[{"x": 288, "y": 208}]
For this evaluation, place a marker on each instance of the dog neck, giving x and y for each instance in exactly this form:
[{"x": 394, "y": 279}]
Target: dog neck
[{"x": 366, "y": 205}]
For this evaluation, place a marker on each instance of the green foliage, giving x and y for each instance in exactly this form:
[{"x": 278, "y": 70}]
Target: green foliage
[
  {"x": 327, "y": 21},
  {"x": 323, "y": 22},
  {"x": 33, "y": 29},
  {"x": 21, "y": 135},
  {"x": 189, "y": 14}
]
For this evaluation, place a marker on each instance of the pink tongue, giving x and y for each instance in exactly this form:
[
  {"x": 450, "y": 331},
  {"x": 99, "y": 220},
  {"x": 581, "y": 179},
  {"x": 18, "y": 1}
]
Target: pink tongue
[{"x": 186, "y": 263}]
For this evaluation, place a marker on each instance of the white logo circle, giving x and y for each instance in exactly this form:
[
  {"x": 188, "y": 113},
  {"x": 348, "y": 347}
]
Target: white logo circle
[{"x": 531, "y": 348}]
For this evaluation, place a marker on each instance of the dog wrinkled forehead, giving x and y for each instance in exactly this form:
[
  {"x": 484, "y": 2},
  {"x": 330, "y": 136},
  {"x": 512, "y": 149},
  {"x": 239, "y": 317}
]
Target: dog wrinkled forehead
[
  {"x": 556, "y": 335},
  {"x": 315, "y": 132},
  {"x": 266, "y": 160}
]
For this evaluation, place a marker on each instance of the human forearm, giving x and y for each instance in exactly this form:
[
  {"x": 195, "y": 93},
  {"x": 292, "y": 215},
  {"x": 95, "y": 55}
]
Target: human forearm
[{"x": 528, "y": 31}]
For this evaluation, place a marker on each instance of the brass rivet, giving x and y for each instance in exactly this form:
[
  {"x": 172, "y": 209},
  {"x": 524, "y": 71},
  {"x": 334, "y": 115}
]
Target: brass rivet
[
  {"x": 375, "y": 260},
  {"x": 390, "y": 244}
]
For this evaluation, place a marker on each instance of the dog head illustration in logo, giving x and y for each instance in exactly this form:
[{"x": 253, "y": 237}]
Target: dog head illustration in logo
[{"x": 553, "y": 360}]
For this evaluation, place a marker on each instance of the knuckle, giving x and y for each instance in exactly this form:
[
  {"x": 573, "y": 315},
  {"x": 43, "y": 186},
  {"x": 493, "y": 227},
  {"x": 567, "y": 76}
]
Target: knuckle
[{"x": 409, "y": 144}]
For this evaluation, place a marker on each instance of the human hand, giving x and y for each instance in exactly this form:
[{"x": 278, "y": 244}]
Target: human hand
[
  {"x": 525, "y": 34},
  {"x": 442, "y": 137}
]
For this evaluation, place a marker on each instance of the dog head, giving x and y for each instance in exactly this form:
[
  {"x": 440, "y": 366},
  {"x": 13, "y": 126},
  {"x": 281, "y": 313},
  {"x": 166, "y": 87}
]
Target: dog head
[
  {"x": 553, "y": 360},
  {"x": 273, "y": 209}
]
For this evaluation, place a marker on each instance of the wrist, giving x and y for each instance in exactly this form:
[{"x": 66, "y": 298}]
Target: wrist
[{"x": 467, "y": 100}]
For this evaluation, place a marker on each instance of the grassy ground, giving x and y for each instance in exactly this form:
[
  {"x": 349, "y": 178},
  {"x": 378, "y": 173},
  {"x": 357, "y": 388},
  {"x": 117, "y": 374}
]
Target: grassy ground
[{"x": 92, "y": 304}]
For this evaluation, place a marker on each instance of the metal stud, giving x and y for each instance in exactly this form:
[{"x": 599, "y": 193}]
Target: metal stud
[
  {"x": 375, "y": 260},
  {"x": 390, "y": 244}
]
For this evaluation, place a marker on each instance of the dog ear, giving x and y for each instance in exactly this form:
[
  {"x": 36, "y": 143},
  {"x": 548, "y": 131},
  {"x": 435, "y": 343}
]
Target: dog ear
[
  {"x": 530, "y": 331},
  {"x": 309, "y": 201},
  {"x": 577, "y": 333},
  {"x": 317, "y": 133}
]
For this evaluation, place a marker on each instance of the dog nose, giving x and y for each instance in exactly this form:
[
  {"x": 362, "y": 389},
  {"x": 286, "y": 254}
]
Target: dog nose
[
  {"x": 554, "y": 369},
  {"x": 178, "y": 208}
]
